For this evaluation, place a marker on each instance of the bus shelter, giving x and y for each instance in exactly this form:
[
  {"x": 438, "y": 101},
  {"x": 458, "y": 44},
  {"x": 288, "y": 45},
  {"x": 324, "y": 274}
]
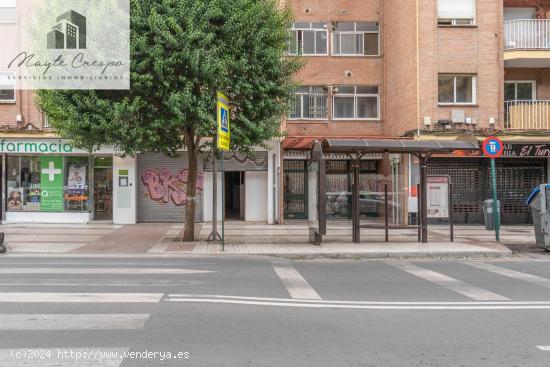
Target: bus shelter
[{"x": 355, "y": 149}]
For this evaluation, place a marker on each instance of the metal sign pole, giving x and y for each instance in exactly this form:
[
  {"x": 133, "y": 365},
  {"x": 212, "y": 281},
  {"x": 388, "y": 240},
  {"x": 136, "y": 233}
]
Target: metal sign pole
[
  {"x": 214, "y": 235},
  {"x": 223, "y": 204},
  {"x": 496, "y": 214}
]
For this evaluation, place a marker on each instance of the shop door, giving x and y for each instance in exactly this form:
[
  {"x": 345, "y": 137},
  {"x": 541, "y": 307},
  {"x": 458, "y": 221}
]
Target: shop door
[
  {"x": 516, "y": 178},
  {"x": 295, "y": 189},
  {"x": 103, "y": 191},
  {"x": 234, "y": 195}
]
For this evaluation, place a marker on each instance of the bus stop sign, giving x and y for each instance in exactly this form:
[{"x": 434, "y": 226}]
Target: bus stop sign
[{"x": 492, "y": 147}]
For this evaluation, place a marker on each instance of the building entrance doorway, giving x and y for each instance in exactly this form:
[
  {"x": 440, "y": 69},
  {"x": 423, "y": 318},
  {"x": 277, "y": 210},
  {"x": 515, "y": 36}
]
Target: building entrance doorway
[
  {"x": 103, "y": 188},
  {"x": 234, "y": 195}
]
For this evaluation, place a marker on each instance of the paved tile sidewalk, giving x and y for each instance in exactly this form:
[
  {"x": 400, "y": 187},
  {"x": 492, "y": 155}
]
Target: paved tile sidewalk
[{"x": 291, "y": 240}]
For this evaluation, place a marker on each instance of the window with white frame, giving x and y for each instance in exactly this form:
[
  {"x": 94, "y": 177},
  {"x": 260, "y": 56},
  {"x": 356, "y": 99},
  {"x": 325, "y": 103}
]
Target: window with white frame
[
  {"x": 7, "y": 87},
  {"x": 308, "y": 38},
  {"x": 310, "y": 102},
  {"x": 456, "y": 89},
  {"x": 456, "y": 12},
  {"x": 355, "y": 102},
  {"x": 520, "y": 90},
  {"x": 7, "y": 11},
  {"x": 356, "y": 38}
]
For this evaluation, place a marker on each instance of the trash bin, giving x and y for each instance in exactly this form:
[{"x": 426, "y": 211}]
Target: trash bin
[
  {"x": 539, "y": 201},
  {"x": 488, "y": 213}
]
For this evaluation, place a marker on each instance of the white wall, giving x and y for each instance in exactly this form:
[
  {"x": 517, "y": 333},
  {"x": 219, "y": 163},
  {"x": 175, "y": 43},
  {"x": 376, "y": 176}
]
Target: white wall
[
  {"x": 256, "y": 185},
  {"x": 207, "y": 196},
  {"x": 124, "y": 198}
]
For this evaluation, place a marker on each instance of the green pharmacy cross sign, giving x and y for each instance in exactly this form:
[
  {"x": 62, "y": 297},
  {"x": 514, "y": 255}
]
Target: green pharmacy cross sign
[{"x": 51, "y": 181}]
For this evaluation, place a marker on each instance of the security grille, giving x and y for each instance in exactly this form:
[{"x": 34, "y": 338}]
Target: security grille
[{"x": 295, "y": 189}]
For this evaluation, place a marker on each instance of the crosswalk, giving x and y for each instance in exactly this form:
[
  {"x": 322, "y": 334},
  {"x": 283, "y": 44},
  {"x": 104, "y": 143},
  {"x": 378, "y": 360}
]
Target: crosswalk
[{"x": 42, "y": 307}]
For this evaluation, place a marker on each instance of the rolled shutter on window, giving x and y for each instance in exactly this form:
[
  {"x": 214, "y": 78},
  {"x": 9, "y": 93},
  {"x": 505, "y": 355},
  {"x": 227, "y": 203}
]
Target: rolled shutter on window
[{"x": 456, "y": 9}]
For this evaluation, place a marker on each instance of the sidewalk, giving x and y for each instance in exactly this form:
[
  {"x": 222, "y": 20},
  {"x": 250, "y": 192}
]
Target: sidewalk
[{"x": 289, "y": 240}]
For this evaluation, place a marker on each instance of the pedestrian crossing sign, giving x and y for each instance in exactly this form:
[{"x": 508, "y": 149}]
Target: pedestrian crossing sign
[{"x": 224, "y": 134}]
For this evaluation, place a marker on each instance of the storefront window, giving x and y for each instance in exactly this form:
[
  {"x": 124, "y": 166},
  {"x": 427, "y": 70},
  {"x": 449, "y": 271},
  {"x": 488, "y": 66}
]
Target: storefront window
[
  {"x": 76, "y": 189},
  {"x": 47, "y": 183},
  {"x": 23, "y": 184}
]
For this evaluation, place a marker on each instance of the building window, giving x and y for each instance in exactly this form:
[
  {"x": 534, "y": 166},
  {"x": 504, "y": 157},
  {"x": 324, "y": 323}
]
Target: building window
[
  {"x": 310, "y": 102},
  {"x": 47, "y": 184},
  {"x": 520, "y": 90},
  {"x": 457, "y": 89},
  {"x": 356, "y": 102},
  {"x": 308, "y": 38},
  {"x": 7, "y": 87},
  {"x": 356, "y": 38},
  {"x": 7, "y": 11},
  {"x": 453, "y": 12}
]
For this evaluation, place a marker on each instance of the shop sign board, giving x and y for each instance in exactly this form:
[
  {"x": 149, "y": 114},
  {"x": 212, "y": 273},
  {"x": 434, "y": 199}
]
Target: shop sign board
[
  {"x": 527, "y": 150},
  {"x": 52, "y": 197},
  {"x": 44, "y": 146},
  {"x": 224, "y": 133},
  {"x": 438, "y": 196}
]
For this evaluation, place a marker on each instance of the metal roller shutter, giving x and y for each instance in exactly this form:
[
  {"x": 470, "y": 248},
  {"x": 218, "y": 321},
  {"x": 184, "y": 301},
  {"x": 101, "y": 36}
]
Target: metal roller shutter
[
  {"x": 161, "y": 188},
  {"x": 255, "y": 161}
]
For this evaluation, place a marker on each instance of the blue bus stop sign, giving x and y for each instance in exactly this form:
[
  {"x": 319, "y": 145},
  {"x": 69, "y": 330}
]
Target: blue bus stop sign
[{"x": 492, "y": 147}]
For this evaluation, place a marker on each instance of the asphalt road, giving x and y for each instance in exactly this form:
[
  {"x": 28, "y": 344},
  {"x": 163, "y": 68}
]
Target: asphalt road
[{"x": 259, "y": 311}]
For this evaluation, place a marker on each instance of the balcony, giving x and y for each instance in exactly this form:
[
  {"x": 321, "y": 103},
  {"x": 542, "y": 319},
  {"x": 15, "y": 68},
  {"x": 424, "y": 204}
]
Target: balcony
[
  {"x": 527, "y": 43},
  {"x": 527, "y": 115}
]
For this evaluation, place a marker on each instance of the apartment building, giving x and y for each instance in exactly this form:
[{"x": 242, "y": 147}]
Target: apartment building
[{"x": 440, "y": 70}]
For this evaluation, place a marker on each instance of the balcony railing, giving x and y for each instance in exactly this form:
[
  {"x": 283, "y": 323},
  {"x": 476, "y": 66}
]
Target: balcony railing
[
  {"x": 527, "y": 34},
  {"x": 527, "y": 115}
]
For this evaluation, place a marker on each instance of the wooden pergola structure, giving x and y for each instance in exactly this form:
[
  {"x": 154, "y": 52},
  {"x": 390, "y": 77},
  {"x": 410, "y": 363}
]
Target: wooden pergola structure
[{"x": 355, "y": 149}]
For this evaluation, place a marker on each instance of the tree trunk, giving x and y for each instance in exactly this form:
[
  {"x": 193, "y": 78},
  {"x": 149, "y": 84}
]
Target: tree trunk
[{"x": 191, "y": 190}]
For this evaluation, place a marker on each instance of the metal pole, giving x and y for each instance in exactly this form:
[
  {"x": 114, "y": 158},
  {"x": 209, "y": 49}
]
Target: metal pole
[
  {"x": 223, "y": 204},
  {"x": 355, "y": 203},
  {"x": 496, "y": 214},
  {"x": 418, "y": 212},
  {"x": 451, "y": 214},
  {"x": 386, "y": 212},
  {"x": 322, "y": 199},
  {"x": 214, "y": 235},
  {"x": 424, "y": 199}
]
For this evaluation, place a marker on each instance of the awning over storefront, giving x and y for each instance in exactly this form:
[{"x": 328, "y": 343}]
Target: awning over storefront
[{"x": 394, "y": 146}]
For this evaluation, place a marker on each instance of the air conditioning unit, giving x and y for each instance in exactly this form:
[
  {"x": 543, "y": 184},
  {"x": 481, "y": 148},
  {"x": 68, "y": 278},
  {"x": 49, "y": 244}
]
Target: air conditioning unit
[
  {"x": 468, "y": 120},
  {"x": 458, "y": 116},
  {"x": 427, "y": 120}
]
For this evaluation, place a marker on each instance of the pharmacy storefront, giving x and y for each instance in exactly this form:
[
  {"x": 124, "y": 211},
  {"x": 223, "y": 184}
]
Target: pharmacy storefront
[{"x": 50, "y": 181}]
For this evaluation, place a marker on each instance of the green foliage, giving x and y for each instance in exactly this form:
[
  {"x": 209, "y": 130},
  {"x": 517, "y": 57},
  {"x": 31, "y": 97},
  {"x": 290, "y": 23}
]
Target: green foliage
[{"x": 182, "y": 53}]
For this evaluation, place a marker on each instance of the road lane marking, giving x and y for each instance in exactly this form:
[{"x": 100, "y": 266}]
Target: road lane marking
[
  {"x": 373, "y": 306},
  {"x": 545, "y": 348},
  {"x": 544, "y": 282},
  {"x": 178, "y": 296},
  {"x": 72, "y": 321},
  {"x": 62, "y": 357},
  {"x": 293, "y": 281},
  {"x": 54, "y": 297},
  {"x": 62, "y": 270},
  {"x": 455, "y": 285}
]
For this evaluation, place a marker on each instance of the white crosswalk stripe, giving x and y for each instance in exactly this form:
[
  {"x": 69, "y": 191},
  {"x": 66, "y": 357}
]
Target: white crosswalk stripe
[
  {"x": 61, "y": 270},
  {"x": 72, "y": 321},
  {"x": 294, "y": 282},
  {"x": 455, "y": 285},
  {"x": 544, "y": 282},
  {"x": 55, "y": 297},
  {"x": 545, "y": 348}
]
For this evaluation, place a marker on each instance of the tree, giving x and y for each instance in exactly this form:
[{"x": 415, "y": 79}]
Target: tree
[{"x": 182, "y": 52}]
